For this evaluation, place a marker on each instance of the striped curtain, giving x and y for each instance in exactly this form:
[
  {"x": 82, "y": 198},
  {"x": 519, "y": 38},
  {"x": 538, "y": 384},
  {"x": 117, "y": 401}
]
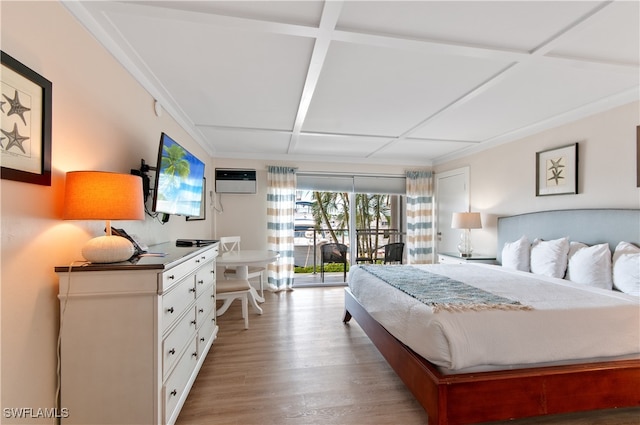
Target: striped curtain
[
  {"x": 419, "y": 217},
  {"x": 281, "y": 202}
]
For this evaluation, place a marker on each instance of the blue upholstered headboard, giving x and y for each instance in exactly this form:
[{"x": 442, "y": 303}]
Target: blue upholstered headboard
[{"x": 590, "y": 226}]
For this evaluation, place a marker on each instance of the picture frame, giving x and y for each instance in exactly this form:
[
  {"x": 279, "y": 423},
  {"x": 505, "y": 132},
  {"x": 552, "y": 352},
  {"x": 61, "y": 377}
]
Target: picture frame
[
  {"x": 25, "y": 137},
  {"x": 557, "y": 171},
  {"x": 203, "y": 208}
]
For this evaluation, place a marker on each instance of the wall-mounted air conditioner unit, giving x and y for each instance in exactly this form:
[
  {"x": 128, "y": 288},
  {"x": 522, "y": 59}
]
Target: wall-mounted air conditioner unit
[{"x": 235, "y": 181}]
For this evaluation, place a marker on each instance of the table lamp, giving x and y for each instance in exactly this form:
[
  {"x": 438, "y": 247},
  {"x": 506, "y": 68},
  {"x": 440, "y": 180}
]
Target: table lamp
[
  {"x": 99, "y": 195},
  {"x": 466, "y": 221}
]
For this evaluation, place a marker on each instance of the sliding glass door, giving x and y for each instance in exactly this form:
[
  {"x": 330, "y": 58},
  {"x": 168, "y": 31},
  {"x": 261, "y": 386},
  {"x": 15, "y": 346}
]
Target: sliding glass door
[{"x": 363, "y": 212}]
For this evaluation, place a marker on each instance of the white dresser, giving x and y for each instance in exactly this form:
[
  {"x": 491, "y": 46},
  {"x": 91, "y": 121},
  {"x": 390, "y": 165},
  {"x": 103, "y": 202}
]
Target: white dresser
[{"x": 134, "y": 336}]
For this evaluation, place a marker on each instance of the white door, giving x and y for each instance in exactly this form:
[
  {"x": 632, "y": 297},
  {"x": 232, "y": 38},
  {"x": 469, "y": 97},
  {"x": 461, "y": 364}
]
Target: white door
[{"x": 452, "y": 195}]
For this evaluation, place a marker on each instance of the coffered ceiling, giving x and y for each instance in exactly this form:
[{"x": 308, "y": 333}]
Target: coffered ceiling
[{"x": 415, "y": 82}]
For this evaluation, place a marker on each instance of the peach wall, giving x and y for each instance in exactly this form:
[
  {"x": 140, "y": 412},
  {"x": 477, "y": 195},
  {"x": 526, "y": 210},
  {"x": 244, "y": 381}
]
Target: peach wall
[{"x": 102, "y": 120}]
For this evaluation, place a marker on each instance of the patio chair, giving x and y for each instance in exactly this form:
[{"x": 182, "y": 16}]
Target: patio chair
[
  {"x": 393, "y": 253},
  {"x": 334, "y": 253}
]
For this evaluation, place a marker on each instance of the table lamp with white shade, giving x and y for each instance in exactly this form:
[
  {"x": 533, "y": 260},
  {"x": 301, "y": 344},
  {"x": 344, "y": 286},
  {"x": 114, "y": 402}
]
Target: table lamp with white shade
[
  {"x": 99, "y": 195},
  {"x": 466, "y": 221}
]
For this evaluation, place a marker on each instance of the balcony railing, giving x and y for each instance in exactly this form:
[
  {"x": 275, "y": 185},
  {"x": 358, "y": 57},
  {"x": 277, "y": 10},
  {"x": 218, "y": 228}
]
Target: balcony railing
[{"x": 370, "y": 244}]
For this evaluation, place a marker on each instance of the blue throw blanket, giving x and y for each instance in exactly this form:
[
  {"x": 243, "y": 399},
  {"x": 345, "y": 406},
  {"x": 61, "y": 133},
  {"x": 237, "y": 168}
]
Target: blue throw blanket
[{"x": 441, "y": 292}]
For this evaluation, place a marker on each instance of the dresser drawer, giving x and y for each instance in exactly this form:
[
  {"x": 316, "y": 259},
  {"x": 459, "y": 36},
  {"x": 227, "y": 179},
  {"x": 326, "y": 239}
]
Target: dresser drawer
[
  {"x": 176, "y": 384},
  {"x": 205, "y": 276},
  {"x": 208, "y": 255},
  {"x": 205, "y": 304},
  {"x": 173, "y": 275},
  {"x": 176, "y": 301},
  {"x": 206, "y": 330},
  {"x": 175, "y": 342}
]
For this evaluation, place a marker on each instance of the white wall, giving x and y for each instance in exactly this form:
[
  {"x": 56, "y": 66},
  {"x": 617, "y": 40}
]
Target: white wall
[
  {"x": 503, "y": 179},
  {"x": 102, "y": 120},
  {"x": 245, "y": 214}
]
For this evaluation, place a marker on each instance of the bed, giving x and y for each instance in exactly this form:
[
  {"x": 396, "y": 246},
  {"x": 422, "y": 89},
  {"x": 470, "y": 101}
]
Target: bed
[{"x": 463, "y": 392}]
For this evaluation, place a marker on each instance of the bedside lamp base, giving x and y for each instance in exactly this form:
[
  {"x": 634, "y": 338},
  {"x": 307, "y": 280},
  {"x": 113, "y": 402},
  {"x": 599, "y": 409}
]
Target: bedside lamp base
[
  {"x": 464, "y": 247},
  {"x": 108, "y": 249}
]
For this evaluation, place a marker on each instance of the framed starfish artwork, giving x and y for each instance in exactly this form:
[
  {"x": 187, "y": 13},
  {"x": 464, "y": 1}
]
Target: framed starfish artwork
[
  {"x": 557, "y": 171},
  {"x": 25, "y": 123}
]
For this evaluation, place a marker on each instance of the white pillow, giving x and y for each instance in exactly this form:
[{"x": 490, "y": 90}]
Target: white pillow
[
  {"x": 515, "y": 255},
  {"x": 590, "y": 265},
  {"x": 549, "y": 258},
  {"x": 626, "y": 268},
  {"x": 573, "y": 248}
]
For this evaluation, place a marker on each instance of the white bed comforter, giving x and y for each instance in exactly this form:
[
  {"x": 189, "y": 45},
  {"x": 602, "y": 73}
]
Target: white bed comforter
[{"x": 568, "y": 321}]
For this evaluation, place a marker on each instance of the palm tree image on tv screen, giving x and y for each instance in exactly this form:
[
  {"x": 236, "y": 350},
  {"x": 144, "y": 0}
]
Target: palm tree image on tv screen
[{"x": 180, "y": 180}]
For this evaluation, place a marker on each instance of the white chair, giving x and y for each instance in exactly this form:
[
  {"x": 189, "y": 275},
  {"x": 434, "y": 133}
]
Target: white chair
[
  {"x": 232, "y": 243},
  {"x": 230, "y": 290}
]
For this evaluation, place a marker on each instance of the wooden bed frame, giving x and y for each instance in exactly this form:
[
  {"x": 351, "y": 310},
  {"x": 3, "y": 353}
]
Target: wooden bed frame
[
  {"x": 469, "y": 398},
  {"x": 466, "y": 398}
]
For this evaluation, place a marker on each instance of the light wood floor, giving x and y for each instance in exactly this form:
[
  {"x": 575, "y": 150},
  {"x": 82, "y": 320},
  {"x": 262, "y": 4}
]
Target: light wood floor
[{"x": 299, "y": 364}]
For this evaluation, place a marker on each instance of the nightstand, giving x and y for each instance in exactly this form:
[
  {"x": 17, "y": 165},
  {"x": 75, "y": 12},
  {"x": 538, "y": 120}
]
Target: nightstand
[{"x": 455, "y": 258}]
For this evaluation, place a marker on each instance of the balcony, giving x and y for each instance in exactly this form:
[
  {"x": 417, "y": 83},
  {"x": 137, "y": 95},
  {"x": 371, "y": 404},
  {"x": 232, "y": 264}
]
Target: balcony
[{"x": 307, "y": 243}]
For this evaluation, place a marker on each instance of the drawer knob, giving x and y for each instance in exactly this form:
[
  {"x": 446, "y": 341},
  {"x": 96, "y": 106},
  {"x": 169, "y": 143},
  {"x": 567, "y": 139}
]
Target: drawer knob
[
  {"x": 202, "y": 339},
  {"x": 203, "y": 257},
  {"x": 172, "y": 351},
  {"x": 201, "y": 310},
  {"x": 194, "y": 354},
  {"x": 201, "y": 281},
  {"x": 197, "y": 261},
  {"x": 174, "y": 393},
  {"x": 171, "y": 277},
  {"x": 192, "y": 289},
  {"x": 193, "y": 322},
  {"x": 170, "y": 310}
]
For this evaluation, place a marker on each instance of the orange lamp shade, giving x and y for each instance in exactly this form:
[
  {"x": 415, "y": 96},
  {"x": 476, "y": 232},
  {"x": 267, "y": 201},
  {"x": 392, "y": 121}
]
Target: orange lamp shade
[{"x": 99, "y": 195}]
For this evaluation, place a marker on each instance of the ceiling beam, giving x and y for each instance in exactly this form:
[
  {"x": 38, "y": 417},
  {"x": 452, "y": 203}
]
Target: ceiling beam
[
  {"x": 536, "y": 55},
  {"x": 328, "y": 21}
]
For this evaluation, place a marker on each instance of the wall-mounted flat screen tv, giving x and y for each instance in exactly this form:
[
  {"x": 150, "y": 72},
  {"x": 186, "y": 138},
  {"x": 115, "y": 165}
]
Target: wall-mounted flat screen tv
[{"x": 179, "y": 180}]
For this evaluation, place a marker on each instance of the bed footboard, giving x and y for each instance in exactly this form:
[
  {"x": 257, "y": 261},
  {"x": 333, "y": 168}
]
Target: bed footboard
[{"x": 490, "y": 396}]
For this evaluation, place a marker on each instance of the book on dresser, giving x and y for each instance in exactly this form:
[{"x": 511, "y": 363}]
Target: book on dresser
[{"x": 133, "y": 335}]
